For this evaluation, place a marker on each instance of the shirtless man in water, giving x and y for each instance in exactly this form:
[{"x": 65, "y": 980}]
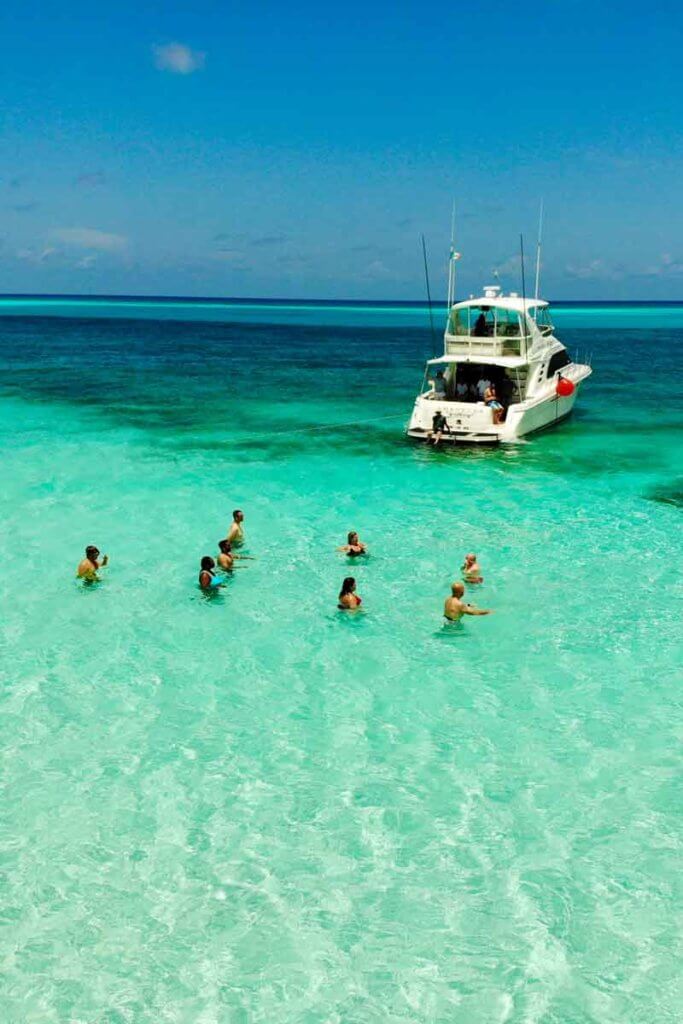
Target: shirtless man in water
[
  {"x": 471, "y": 571},
  {"x": 226, "y": 559},
  {"x": 454, "y": 607},
  {"x": 236, "y": 531},
  {"x": 226, "y": 556},
  {"x": 87, "y": 568}
]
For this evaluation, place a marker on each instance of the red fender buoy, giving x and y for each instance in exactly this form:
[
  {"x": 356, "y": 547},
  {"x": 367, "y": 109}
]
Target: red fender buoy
[{"x": 564, "y": 387}]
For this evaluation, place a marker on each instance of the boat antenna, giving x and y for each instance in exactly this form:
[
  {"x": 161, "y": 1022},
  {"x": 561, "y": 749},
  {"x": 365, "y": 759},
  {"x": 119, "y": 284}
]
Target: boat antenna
[
  {"x": 452, "y": 256},
  {"x": 521, "y": 260},
  {"x": 538, "y": 252},
  {"x": 429, "y": 294}
]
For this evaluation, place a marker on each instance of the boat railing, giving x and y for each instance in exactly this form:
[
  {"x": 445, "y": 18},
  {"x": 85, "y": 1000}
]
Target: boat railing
[{"x": 496, "y": 345}]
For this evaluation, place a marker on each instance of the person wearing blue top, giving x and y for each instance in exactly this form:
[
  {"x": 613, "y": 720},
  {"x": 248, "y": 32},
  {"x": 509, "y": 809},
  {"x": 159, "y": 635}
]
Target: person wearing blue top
[{"x": 207, "y": 577}]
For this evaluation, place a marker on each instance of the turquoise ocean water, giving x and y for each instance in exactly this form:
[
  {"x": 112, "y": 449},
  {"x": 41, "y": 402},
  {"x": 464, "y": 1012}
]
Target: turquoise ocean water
[{"x": 253, "y": 808}]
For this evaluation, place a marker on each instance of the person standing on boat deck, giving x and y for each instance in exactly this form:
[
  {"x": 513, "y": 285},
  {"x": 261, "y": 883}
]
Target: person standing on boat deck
[
  {"x": 348, "y": 598},
  {"x": 479, "y": 330},
  {"x": 454, "y": 607},
  {"x": 471, "y": 571},
  {"x": 236, "y": 531},
  {"x": 439, "y": 428},
  {"x": 482, "y": 384},
  {"x": 461, "y": 390},
  {"x": 440, "y": 384},
  {"x": 493, "y": 404},
  {"x": 87, "y": 568}
]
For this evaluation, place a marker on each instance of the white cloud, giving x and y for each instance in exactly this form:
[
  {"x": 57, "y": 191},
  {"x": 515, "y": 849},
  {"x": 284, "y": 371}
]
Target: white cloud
[
  {"x": 587, "y": 271},
  {"x": 178, "y": 58},
  {"x": 667, "y": 265},
  {"x": 378, "y": 269},
  {"x": 89, "y": 238},
  {"x": 36, "y": 255}
]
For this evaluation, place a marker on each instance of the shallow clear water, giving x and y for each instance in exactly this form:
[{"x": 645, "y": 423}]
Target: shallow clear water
[{"x": 253, "y": 808}]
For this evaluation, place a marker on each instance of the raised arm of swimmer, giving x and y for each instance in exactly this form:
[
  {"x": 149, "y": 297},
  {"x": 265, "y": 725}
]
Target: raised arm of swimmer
[{"x": 89, "y": 566}]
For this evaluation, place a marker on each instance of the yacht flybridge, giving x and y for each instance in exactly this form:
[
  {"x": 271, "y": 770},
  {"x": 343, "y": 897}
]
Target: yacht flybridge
[{"x": 503, "y": 373}]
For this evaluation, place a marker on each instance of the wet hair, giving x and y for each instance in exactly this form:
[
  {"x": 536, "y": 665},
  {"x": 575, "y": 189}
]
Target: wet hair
[
  {"x": 237, "y": 512},
  {"x": 91, "y": 551},
  {"x": 347, "y": 586},
  {"x": 225, "y": 546},
  {"x": 352, "y": 533},
  {"x": 207, "y": 563}
]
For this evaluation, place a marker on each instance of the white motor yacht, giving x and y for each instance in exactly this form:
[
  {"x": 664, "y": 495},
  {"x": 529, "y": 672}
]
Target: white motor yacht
[{"x": 507, "y": 343}]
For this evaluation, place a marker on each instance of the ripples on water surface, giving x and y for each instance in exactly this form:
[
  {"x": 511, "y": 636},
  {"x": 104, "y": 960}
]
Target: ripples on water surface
[{"x": 255, "y": 809}]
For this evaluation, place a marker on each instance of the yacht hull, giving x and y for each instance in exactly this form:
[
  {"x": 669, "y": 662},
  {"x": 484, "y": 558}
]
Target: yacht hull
[{"x": 473, "y": 423}]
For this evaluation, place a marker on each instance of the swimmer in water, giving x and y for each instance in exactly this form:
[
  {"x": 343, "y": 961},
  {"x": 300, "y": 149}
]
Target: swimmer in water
[
  {"x": 236, "y": 531},
  {"x": 471, "y": 571},
  {"x": 454, "y": 607},
  {"x": 353, "y": 546},
  {"x": 207, "y": 575},
  {"x": 226, "y": 559},
  {"x": 226, "y": 556},
  {"x": 348, "y": 598},
  {"x": 87, "y": 569}
]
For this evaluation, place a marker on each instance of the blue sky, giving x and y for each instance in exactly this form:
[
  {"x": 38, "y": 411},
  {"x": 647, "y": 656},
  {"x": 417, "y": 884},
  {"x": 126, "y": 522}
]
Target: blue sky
[{"x": 300, "y": 150}]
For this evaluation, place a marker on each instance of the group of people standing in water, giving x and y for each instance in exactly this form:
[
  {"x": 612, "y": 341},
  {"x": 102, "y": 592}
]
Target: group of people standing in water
[
  {"x": 226, "y": 556},
  {"x": 349, "y": 600}
]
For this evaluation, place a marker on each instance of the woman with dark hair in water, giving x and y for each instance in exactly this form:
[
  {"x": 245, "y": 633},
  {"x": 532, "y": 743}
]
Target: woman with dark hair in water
[
  {"x": 348, "y": 598},
  {"x": 353, "y": 546},
  {"x": 207, "y": 576}
]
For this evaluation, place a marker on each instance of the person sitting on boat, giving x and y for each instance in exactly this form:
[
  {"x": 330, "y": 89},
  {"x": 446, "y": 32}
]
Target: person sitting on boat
[
  {"x": 353, "y": 546},
  {"x": 87, "y": 568},
  {"x": 454, "y": 607},
  {"x": 439, "y": 428},
  {"x": 462, "y": 390},
  {"x": 470, "y": 570},
  {"x": 348, "y": 598},
  {"x": 493, "y": 404}
]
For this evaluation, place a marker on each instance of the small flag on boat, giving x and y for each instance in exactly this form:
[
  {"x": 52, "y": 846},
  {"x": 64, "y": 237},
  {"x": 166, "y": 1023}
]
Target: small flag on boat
[{"x": 456, "y": 255}]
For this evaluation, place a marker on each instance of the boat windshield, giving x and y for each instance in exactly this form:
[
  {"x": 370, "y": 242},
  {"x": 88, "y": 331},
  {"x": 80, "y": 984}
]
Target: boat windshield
[
  {"x": 484, "y": 322},
  {"x": 543, "y": 321}
]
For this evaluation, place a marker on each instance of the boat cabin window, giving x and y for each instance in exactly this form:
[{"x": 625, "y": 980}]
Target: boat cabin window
[
  {"x": 484, "y": 322},
  {"x": 556, "y": 363},
  {"x": 543, "y": 321}
]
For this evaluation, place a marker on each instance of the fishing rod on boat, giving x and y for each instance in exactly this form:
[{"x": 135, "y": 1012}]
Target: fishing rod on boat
[{"x": 429, "y": 295}]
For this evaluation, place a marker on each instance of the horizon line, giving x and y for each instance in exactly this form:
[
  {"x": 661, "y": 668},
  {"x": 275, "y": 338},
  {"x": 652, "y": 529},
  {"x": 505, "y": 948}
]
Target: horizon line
[{"x": 125, "y": 297}]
